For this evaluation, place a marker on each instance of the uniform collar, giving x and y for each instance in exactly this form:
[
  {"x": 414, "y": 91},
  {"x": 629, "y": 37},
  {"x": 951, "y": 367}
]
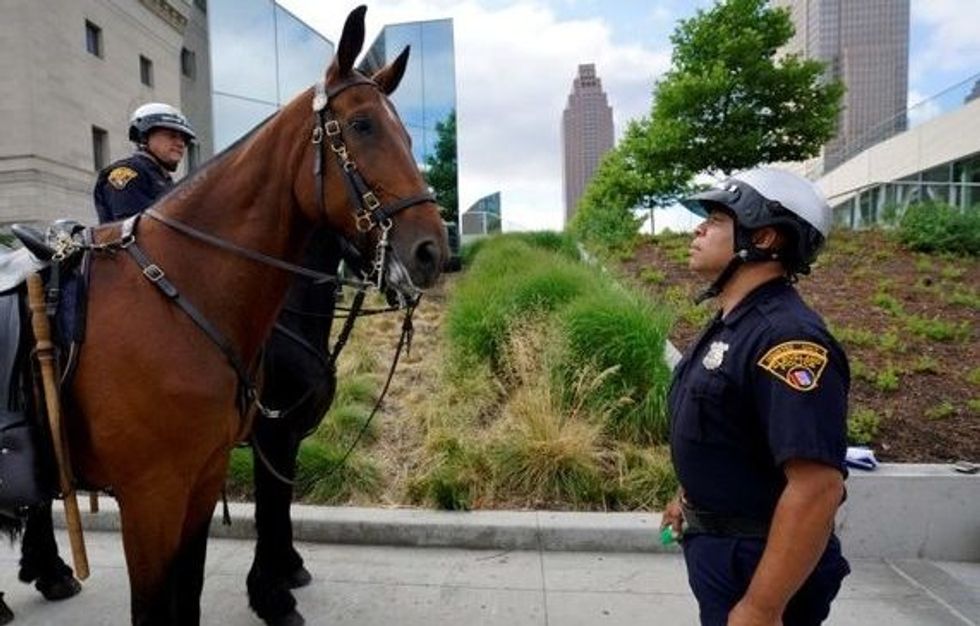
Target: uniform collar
[
  {"x": 754, "y": 298},
  {"x": 145, "y": 154}
]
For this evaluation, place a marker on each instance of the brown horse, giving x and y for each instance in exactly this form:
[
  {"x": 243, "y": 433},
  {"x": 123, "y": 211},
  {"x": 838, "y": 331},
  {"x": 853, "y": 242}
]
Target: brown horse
[{"x": 155, "y": 406}]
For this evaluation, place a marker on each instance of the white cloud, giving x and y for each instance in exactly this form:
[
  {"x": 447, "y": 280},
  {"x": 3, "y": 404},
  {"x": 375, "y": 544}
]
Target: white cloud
[
  {"x": 514, "y": 70},
  {"x": 951, "y": 43},
  {"x": 922, "y": 109}
]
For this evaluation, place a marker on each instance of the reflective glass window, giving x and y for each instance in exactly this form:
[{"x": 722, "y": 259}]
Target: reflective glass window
[
  {"x": 234, "y": 117},
  {"x": 243, "y": 50},
  {"x": 303, "y": 55}
]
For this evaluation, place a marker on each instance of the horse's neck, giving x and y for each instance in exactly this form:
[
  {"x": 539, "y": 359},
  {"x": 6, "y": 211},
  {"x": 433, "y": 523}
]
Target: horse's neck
[
  {"x": 246, "y": 199},
  {"x": 311, "y": 306}
]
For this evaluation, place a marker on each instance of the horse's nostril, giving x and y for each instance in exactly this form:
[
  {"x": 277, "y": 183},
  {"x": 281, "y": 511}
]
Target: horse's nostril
[
  {"x": 427, "y": 253},
  {"x": 428, "y": 259}
]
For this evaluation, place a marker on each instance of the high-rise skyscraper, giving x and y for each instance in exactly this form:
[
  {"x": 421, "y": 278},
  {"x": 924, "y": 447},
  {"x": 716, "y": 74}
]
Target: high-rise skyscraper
[
  {"x": 866, "y": 46},
  {"x": 586, "y": 134}
]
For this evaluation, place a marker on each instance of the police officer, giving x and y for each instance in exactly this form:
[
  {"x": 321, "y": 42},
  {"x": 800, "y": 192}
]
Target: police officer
[
  {"x": 161, "y": 134},
  {"x": 758, "y": 411}
]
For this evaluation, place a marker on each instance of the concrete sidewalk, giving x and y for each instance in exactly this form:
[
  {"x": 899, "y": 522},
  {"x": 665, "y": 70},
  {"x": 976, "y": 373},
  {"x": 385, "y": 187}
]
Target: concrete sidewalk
[
  {"x": 506, "y": 568},
  {"x": 379, "y": 585}
]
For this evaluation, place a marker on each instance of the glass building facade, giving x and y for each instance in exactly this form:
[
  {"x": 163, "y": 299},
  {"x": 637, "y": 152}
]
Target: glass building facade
[
  {"x": 261, "y": 57},
  {"x": 956, "y": 183},
  {"x": 482, "y": 218},
  {"x": 427, "y": 93}
]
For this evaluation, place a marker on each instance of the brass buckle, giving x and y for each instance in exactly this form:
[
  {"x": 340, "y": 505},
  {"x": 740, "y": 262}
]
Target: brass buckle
[{"x": 370, "y": 200}]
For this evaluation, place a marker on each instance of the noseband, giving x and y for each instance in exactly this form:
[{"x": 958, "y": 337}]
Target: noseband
[{"x": 370, "y": 212}]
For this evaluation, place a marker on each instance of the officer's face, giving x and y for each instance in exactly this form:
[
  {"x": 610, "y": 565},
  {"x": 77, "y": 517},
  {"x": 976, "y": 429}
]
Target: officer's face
[
  {"x": 713, "y": 244},
  {"x": 167, "y": 145}
]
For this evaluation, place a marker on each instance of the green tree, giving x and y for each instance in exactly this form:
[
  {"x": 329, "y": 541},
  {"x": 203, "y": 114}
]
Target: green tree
[
  {"x": 442, "y": 171},
  {"x": 729, "y": 102},
  {"x": 623, "y": 181}
]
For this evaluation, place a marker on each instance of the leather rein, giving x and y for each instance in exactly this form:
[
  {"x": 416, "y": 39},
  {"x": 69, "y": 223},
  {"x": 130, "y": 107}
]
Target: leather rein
[{"x": 370, "y": 214}]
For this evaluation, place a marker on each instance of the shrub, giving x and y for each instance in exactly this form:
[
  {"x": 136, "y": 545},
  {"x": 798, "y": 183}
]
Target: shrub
[
  {"x": 322, "y": 479},
  {"x": 507, "y": 283},
  {"x": 344, "y": 423},
  {"x": 452, "y": 474},
  {"x": 939, "y": 227},
  {"x": 624, "y": 332},
  {"x": 941, "y": 411},
  {"x": 862, "y": 426},
  {"x": 240, "y": 472},
  {"x": 887, "y": 379},
  {"x": 645, "y": 479},
  {"x": 936, "y": 329}
]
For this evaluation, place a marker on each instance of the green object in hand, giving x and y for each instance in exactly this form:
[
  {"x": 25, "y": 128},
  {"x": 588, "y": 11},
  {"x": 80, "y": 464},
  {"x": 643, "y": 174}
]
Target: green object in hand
[{"x": 668, "y": 535}]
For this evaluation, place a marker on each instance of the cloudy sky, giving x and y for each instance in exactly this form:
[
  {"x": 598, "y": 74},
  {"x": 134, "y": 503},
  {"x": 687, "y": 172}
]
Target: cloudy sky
[{"x": 515, "y": 61}]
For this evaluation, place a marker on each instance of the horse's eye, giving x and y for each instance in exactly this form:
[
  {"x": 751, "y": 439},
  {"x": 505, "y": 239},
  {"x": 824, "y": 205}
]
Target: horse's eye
[{"x": 361, "y": 125}]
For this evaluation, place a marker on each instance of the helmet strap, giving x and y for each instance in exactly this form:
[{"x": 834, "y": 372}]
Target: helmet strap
[{"x": 746, "y": 254}]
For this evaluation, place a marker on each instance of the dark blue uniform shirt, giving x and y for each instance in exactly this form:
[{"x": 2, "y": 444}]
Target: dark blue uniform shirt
[
  {"x": 128, "y": 186},
  {"x": 765, "y": 384}
]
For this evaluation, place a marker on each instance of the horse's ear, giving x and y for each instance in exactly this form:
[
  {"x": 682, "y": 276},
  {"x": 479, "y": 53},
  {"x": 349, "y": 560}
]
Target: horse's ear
[
  {"x": 351, "y": 42},
  {"x": 389, "y": 76}
]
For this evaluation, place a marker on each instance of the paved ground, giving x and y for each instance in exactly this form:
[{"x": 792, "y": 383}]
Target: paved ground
[{"x": 368, "y": 585}]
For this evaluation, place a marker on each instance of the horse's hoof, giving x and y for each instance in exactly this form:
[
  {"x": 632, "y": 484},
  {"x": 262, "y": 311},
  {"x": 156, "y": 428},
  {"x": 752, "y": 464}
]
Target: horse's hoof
[
  {"x": 300, "y": 577},
  {"x": 6, "y": 615},
  {"x": 58, "y": 589},
  {"x": 293, "y": 618}
]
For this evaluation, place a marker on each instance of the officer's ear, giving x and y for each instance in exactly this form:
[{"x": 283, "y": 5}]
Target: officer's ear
[{"x": 769, "y": 238}]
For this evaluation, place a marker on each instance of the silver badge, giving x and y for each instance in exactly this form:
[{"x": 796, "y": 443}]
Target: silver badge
[{"x": 715, "y": 355}]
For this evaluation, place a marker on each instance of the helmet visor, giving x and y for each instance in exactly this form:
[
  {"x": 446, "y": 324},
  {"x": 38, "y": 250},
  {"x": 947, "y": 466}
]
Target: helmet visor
[{"x": 703, "y": 202}]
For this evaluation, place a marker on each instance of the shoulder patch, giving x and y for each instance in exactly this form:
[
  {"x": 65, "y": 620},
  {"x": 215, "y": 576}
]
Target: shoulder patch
[
  {"x": 119, "y": 177},
  {"x": 799, "y": 364}
]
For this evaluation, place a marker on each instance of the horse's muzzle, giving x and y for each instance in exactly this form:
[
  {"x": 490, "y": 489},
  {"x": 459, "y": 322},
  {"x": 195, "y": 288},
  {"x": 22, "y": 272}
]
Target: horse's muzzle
[{"x": 427, "y": 260}]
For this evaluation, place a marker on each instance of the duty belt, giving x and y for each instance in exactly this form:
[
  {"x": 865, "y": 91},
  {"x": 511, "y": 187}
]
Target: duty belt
[{"x": 704, "y": 522}]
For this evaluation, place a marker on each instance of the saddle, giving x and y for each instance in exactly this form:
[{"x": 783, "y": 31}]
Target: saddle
[{"x": 28, "y": 471}]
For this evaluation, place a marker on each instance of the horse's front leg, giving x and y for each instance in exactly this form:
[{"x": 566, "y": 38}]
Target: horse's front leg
[
  {"x": 187, "y": 575},
  {"x": 152, "y": 529},
  {"x": 277, "y": 567},
  {"x": 39, "y": 562}
]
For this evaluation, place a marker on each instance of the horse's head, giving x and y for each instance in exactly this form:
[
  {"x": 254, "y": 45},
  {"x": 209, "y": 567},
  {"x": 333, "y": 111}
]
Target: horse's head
[{"x": 366, "y": 184}]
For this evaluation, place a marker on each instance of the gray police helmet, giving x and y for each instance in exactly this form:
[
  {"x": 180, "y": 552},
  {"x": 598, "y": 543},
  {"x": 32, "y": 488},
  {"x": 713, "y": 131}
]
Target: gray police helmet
[
  {"x": 770, "y": 197},
  {"x": 158, "y": 115}
]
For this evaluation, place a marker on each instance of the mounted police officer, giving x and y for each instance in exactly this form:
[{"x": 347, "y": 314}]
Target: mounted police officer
[
  {"x": 161, "y": 134},
  {"x": 758, "y": 411}
]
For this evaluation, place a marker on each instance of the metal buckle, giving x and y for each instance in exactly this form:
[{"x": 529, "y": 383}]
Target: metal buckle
[
  {"x": 370, "y": 200},
  {"x": 317, "y": 134},
  {"x": 153, "y": 273},
  {"x": 364, "y": 223},
  {"x": 332, "y": 128}
]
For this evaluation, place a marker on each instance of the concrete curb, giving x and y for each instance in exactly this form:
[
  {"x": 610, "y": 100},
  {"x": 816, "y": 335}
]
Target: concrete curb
[
  {"x": 503, "y": 530},
  {"x": 897, "y": 511}
]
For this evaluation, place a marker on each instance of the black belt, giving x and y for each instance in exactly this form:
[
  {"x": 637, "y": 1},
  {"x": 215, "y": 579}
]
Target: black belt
[{"x": 704, "y": 522}]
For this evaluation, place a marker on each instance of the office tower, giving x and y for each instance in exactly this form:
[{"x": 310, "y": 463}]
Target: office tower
[
  {"x": 586, "y": 134},
  {"x": 865, "y": 44}
]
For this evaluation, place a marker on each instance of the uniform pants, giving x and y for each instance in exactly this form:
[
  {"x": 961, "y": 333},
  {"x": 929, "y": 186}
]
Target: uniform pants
[{"x": 719, "y": 570}]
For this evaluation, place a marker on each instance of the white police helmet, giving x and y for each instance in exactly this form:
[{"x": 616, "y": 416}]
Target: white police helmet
[
  {"x": 769, "y": 197},
  {"x": 158, "y": 115}
]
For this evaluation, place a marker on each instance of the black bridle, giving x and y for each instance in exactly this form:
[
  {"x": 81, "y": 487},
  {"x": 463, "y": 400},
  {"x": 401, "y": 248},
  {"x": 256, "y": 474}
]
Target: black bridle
[{"x": 370, "y": 214}]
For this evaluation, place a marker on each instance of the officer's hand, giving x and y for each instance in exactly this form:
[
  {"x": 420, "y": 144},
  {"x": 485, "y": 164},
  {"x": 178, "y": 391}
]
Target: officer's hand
[
  {"x": 673, "y": 516},
  {"x": 747, "y": 614}
]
